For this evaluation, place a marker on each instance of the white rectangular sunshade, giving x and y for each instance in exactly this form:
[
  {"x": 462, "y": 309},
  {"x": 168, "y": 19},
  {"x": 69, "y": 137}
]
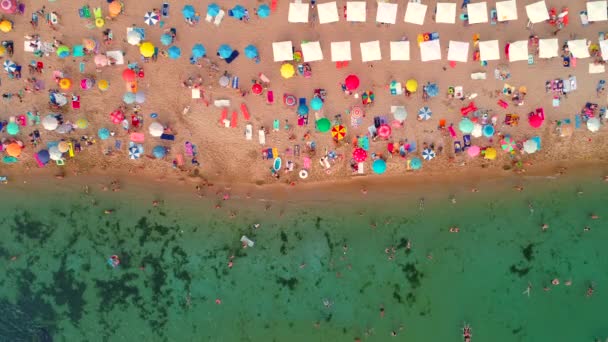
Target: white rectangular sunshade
[
  {"x": 506, "y": 10},
  {"x": 579, "y": 48},
  {"x": 430, "y": 50},
  {"x": 312, "y": 52},
  {"x": 604, "y": 48},
  {"x": 328, "y": 12},
  {"x": 282, "y": 51},
  {"x": 298, "y": 12},
  {"x": 518, "y": 51},
  {"x": 355, "y": 11},
  {"x": 387, "y": 13},
  {"x": 415, "y": 13},
  {"x": 458, "y": 51},
  {"x": 477, "y": 12},
  {"x": 400, "y": 51},
  {"x": 537, "y": 12},
  {"x": 340, "y": 51},
  {"x": 488, "y": 50},
  {"x": 548, "y": 48},
  {"x": 597, "y": 10},
  {"x": 446, "y": 13},
  {"x": 370, "y": 51}
]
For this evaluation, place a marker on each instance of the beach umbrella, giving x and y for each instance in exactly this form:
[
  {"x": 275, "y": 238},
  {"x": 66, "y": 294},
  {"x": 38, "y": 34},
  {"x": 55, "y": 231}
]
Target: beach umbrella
[
  {"x": 415, "y": 163},
  {"x": 8, "y": 6},
  {"x": 103, "y": 85},
  {"x": 58, "y": 99},
  {"x": 302, "y": 109},
  {"x": 466, "y": 126},
  {"x": 290, "y": 100},
  {"x": 238, "y": 12},
  {"x": 432, "y": 89},
  {"x": 488, "y": 131},
  {"x": 224, "y": 51},
  {"x": 9, "y": 66},
  {"x": 134, "y": 37},
  {"x": 159, "y": 152},
  {"x": 316, "y": 103},
  {"x": 43, "y": 156},
  {"x": 530, "y": 146},
  {"x": 359, "y": 155},
  {"x": 2, "y": 51},
  {"x": 489, "y": 153},
  {"x": 65, "y": 83},
  {"x": 507, "y": 144},
  {"x": 477, "y": 130},
  {"x": 13, "y": 149},
  {"x": 251, "y": 51},
  {"x": 400, "y": 114},
  {"x": 535, "y": 120},
  {"x": 82, "y": 123},
  {"x": 213, "y": 9},
  {"x": 257, "y": 89},
  {"x": 473, "y": 151},
  {"x": 64, "y": 128},
  {"x": 146, "y": 49},
  {"x": 424, "y": 113},
  {"x": 117, "y": 116},
  {"x": 12, "y": 128},
  {"x": 338, "y": 132},
  {"x": 156, "y": 129},
  {"x": 114, "y": 8},
  {"x": 6, "y": 26},
  {"x": 411, "y": 85},
  {"x": 87, "y": 83},
  {"x": 263, "y": 11},
  {"x": 287, "y": 70},
  {"x": 101, "y": 60},
  {"x": 63, "y": 51},
  {"x": 351, "y": 82},
  {"x": 151, "y": 18},
  {"x": 54, "y": 153},
  {"x": 63, "y": 146},
  {"x": 50, "y": 122},
  {"x": 593, "y": 124},
  {"x": 166, "y": 39},
  {"x": 384, "y": 131},
  {"x": 188, "y": 12},
  {"x": 225, "y": 81},
  {"x": 323, "y": 124},
  {"x": 356, "y": 112},
  {"x": 103, "y": 133},
  {"x": 89, "y": 44},
  {"x": 174, "y": 52},
  {"x": 140, "y": 97},
  {"x": 379, "y": 166},
  {"x": 128, "y": 98},
  {"x": 135, "y": 151},
  {"x": 198, "y": 51},
  {"x": 428, "y": 154}
]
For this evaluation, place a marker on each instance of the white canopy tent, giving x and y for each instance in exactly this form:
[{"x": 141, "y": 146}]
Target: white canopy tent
[
  {"x": 430, "y": 50},
  {"x": 579, "y": 48},
  {"x": 597, "y": 10},
  {"x": 298, "y": 12},
  {"x": 356, "y": 11},
  {"x": 506, "y": 10},
  {"x": 370, "y": 51},
  {"x": 488, "y": 50},
  {"x": 446, "y": 13},
  {"x": 328, "y": 12},
  {"x": 282, "y": 51},
  {"x": 518, "y": 51},
  {"x": 387, "y": 13},
  {"x": 458, "y": 51},
  {"x": 400, "y": 51},
  {"x": 340, "y": 51},
  {"x": 415, "y": 13},
  {"x": 548, "y": 48},
  {"x": 537, "y": 12},
  {"x": 477, "y": 12},
  {"x": 604, "y": 47},
  {"x": 312, "y": 52}
]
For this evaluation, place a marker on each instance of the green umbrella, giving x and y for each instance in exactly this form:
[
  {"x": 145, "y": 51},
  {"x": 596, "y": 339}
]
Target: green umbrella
[
  {"x": 323, "y": 125},
  {"x": 12, "y": 128}
]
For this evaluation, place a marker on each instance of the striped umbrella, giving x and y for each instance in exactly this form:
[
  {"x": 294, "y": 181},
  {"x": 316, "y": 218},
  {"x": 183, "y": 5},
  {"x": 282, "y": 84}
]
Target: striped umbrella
[
  {"x": 338, "y": 132},
  {"x": 507, "y": 144},
  {"x": 424, "y": 113},
  {"x": 151, "y": 18},
  {"x": 356, "y": 112},
  {"x": 428, "y": 154},
  {"x": 9, "y": 66}
]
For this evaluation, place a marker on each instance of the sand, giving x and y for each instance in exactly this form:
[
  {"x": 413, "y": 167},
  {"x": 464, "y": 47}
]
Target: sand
[{"x": 226, "y": 156}]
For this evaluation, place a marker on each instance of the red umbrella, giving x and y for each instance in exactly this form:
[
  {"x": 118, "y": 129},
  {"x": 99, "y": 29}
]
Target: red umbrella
[
  {"x": 256, "y": 88},
  {"x": 359, "y": 155},
  {"x": 535, "y": 120},
  {"x": 351, "y": 82},
  {"x": 128, "y": 75},
  {"x": 384, "y": 131}
]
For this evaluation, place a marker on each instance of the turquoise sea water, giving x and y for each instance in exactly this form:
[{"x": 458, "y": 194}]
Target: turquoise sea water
[{"x": 55, "y": 282}]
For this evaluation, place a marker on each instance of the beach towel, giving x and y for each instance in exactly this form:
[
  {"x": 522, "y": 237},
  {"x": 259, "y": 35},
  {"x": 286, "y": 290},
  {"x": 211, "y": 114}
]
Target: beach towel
[
  {"x": 275, "y": 152},
  {"x": 245, "y": 112},
  {"x": 276, "y": 125},
  {"x": 306, "y": 163},
  {"x": 224, "y": 115},
  {"x": 169, "y": 137},
  {"x": 234, "y": 119},
  {"x": 137, "y": 137},
  {"x": 189, "y": 149},
  {"x": 577, "y": 121},
  {"x": 235, "y": 82},
  {"x": 179, "y": 158}
]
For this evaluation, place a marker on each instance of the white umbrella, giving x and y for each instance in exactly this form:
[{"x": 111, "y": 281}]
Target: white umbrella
[
  {"x": 593, "y": 124},
  {"x": 50, "y": 123},
  {"x": 156, "y": 129},
  {"x": 151, "y": 18},
  {"x": 133, "y": 37},
  {"x": 64, "y": 128},
  {"x": 54, "y": 153},
  {"x": 477, "y": 131},
  {"x": 530, "y": 146}
]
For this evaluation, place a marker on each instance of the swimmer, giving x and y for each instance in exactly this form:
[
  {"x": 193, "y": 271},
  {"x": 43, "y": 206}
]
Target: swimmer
[
  {"x": 108, "y": 211},
  {"x": 373, "y": 225},
  {"x": 421, "y": 203},
  {"x": 518, "y": 188},
  {"x": 454, "y": 230},
  {"x": 453, "y": 199},
  {"x": 302, "y": 265},
  {"x": 155, "y": 203},
  {"x": 528, "y": 290},
  {"x": 393, "y": 333},
  {"x": 590, "y": 290},
  {"x": 256, "y": 225},
  {"x": 345, "y": 248},
  {"x": 586, "y": 229},
  {"x": 226, "y": 197},
  {"x": 555, "y": 282},
  {"x": 364, "y": 191},
  {"x": 230, "y": 264},
  {"x": 474, "y": 190},
  {"x": 531, "y": 207},
  {"x": 544, "y": 226},
  {"x": 381, "y": 311},
  {"x": 594, "y": 217},
  {"x": 327, "y": 303},
  {"x": 218, "y": 301},
  {"x": 568, "y": 282},
  {"x": 408, "y": 245}
]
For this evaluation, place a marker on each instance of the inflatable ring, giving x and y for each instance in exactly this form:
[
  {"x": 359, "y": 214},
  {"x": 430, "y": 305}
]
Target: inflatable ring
[
  {"x": 450, "y": 90},
  {"x": 328, "y": 171},
  {"x": 427, "y": 37},
  {"x": 6, "y": 5},
  {"x": 99, "y": 22},
  {"x": 566, "y": 62},
  {"x": 303, "y": 174}
]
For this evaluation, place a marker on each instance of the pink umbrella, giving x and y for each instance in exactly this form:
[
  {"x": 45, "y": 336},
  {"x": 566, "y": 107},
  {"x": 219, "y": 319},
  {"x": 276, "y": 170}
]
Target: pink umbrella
[
  {"x": 117, "y": 116},
  {"x": 101, "y": 60},
  {"x": 351, "y": 82},
  {"x": 473, "y": 151},
  {"x": 535, "y": 120},
  {"x": 359, "y": 155},
  {"x": 384, "y": 131}
]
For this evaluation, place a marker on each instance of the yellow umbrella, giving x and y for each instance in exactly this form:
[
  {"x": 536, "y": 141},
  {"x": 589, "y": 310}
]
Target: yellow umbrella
[
  {"x": 89, "y": 44},
  {"x": 146, "y": 49},
  {"x": 2, "y": 50},
  {"x": 114, "y": 8},
  {"x": 82, "y": 123},
  {"x": 490, "y": 153},
  {"x": 6, "y": 26},
  {"x": 287, "y": 70},
  {"x": 103, "y": 85},
  {"x": 65, "y": 83},
  {"x": 411, "y": 85},
  {"x": 13, "y": 150}
]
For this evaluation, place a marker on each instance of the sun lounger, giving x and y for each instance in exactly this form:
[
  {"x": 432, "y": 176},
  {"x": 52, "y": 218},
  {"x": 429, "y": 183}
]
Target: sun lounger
[
  {"x": 235, "y": 82},
  {"x": 219, "y": 17},
  {"x": 169, "y": 137},
  {"x": 457, "y": 147},
  {"x": 208, "y": 18},
  {"x": 248, "y": 132},
  {"x": 361, "y": 168},
  {"x": 245, "y": 112},
  {"x": 262, "y": 137},
  {"x": 234, "y": 119},
  {"x": 269, "y": 97}
]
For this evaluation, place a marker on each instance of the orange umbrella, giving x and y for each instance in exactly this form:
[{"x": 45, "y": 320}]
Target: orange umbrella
[
  {"x": 338, "y": 132},
  {"x": 13, "y": 150},
  {"x": 65, "y": 83},
  {"x": 114, "y": 8}
]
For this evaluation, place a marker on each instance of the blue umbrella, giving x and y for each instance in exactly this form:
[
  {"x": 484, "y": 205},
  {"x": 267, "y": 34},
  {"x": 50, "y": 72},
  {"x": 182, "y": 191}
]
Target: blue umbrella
[
  {"x": 488, "y": 131},
  {"x": 424, "y": 113},
  {"x": 251, "y": 51},
  {"x": 379, "y": 166},
  {"x": 174, "y": 52},
  {"x": 9, "y": 66},
  {"x": 128, "y": 98},
  {"x": 263, "y": 11},
  {"x": 159, "y": 152},
  {"x": 103, "y": 133},
  {"x": 198, "y": 51},
  {"x": 43, "y": 156},
  {"x": 238, "y": 12},
  {"x": 303, "y": 109},
  {"x": 415, "y": 163},
  {"x": 166, "y": 39},
  {"x": 428, "y": 154},
  {"x": 225, "y": 51},
  {"x": 213, "y": 9},
  {"x": 188, "y": 12},
  {"x": 316, "y": 103},
  {"x": 432, "y": 89}
]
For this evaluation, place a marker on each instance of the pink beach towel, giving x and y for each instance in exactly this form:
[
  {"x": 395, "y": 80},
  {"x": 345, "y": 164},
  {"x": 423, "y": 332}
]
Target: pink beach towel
[
  {"x": 452, "y": 132},
  {"x": 306, "y": 162},
  {"x": 234, "y": 120},
  {"x": 245, "y": 112},
  {"x": 137, "y": 137},
  {"x": 189, "y": 149}
]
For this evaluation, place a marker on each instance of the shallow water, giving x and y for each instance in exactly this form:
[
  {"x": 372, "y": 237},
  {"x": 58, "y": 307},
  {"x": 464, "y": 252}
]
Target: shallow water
[{"x": 174, "y": 266}]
